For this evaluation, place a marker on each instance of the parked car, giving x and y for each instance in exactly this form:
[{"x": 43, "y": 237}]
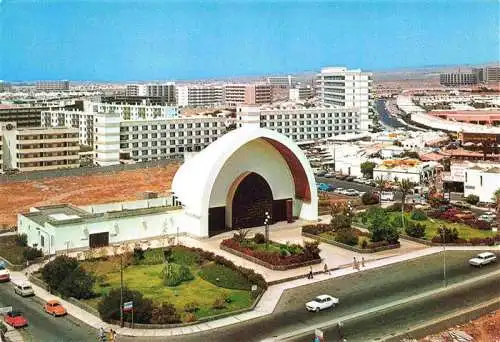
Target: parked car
[
  {"x": 329, "y": 175},
  {"x": 351, "y": 192},
  {"x": 4, "y": 273},
  {"x": 387, "y": 196},
  {"x": 15, "y": 319},
  {"x": 339, "y": 190},
  {"x": 325, "y": 187},
  {"x": 54, "y": 308},
  {"x": 24, "y": 290},
  {"x": 483, "y": 259},
  {"x": 488, "y": 217},
  {"x": 322, "y": 302},
  {"x": 349, "y": 178},
  {"x": 341, "y": 176},
  {"x": 461, "y": 204},
  {"x": 321, "y": 173}
]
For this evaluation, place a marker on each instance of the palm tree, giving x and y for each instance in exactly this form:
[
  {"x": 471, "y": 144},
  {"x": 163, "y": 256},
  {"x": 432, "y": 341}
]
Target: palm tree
[
  {"x": 404, "y": 186},
  {"x": 380, "y": 183}
]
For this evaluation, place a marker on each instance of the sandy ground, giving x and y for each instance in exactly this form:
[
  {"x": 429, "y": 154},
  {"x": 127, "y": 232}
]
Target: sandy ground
[
  {"x": 483, "y": 329},
  {"x": 18, "y": 197}
]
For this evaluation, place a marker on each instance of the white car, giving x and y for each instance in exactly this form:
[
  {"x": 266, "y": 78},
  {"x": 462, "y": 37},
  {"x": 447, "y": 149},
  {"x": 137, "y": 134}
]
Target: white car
[
  {"x": 339, "y": 190},
  {"x": 351, "y": 192},
  {"x": 483, "y": 259},
  {"x": 4, "y": 273},
  {"x": 24, "y": 290},
  {"x": 322, "y": 302}
]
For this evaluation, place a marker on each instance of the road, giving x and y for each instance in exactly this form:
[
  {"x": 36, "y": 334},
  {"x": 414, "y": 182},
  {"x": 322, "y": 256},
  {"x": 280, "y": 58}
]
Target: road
[
  {"x": 338, "y": 183},
  {"x": 41, "y": 326},
  {"x": 357, "y": 292},
  {"x": 376, "y": 326},
  {"x": 385, "y": 117}
]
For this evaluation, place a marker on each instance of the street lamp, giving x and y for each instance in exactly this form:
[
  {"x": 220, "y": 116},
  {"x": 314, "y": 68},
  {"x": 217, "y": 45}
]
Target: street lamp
[{"x": 267, "y": 219}]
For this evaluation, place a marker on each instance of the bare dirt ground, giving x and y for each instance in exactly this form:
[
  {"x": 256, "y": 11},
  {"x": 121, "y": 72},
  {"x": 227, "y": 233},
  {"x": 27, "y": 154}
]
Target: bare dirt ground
[
  {"x": 483, "y": 329},
  {"x": 18, "y": 197}
]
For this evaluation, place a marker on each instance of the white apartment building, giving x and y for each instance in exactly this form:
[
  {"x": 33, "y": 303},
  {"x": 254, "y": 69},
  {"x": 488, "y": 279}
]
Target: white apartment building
[
  {"x": 34, "y": 149},
  {"x": 412, "y": 170},
  {"x": 144, "y": 140},
  {"x": 84, "y": 120},
  {"x": 47, "y": 86},
  {"x": 249, "y": 94},
  {"x": 166, "y": 90},
  {"x": 300, "y": 93},
  {"x": 340, "y": 87},
  {"x": 302, "y": 124},
  {"x": 200, "y": 95}
]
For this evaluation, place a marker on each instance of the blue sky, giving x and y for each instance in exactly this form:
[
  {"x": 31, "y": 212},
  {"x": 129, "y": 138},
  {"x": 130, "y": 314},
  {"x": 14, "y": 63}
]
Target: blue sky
[{"x": 161, "y": 40}]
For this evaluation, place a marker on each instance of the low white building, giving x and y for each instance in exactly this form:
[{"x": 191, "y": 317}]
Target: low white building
[
  {"x": 411, "y": 169},
  {"x": 204, "y": 95},
  {"x": 482, "y": 181}
]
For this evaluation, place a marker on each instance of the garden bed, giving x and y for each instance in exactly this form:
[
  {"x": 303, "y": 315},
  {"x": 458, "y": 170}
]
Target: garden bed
[
  {"x": 211, "y": 279},
  {"x": 361, "y": 244},
  {"x": 331, "y": 241},
  {"x": 274, "y": 255},
  {"x": 14, "y": 253}
]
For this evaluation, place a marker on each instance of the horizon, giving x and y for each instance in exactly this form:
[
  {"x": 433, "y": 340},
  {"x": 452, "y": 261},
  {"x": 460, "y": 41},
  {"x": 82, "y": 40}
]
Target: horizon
[{"x": 139, "y": 43}]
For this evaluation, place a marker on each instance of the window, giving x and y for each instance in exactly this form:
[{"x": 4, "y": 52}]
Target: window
[
  {"x": 144, "y": 136},
  {"x": 172, "y": 126},
  {"x": 144, "y": 128}
]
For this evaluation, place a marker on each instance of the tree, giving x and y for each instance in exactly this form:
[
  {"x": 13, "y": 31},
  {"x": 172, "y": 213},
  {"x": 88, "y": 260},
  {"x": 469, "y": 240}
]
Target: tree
[
  {"x": 367, "y": 169},
  {"x": 64, "y": 275},
  {"x": 404, "y": 186},
  {"x": 472, "y": 199},
  {"x": 380, "y": 183},
  {"x": 380, "y": 226},
  {"x": 57, "y": 270},
  {"x": 109, "y": 306},
  {"x": 165, "y": 313}
]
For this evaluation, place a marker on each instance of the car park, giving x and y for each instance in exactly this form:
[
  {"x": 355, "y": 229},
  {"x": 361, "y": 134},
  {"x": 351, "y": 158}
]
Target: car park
[
  {"x": 24, "y": 289},
  {"x": 4, "y": 273},
  {"x": 329, "y": 175},
  {"x": 488, "y": 217},
  {"x": 325, "y": 187},
  {"x": 54, "y": 308},
  {"x": 349, "y": 178},
  {"x": 320, "y": 173},
  {"x": 321, "y": 302},
  {"x": 15, "y": 319},
  {"x": 482, "y": 259},
  {"x": 461, "y": 204}
]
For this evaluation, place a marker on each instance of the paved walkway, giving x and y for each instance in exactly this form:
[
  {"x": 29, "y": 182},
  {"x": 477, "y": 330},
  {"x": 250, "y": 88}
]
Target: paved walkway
[{"x": 13, "y": 334}]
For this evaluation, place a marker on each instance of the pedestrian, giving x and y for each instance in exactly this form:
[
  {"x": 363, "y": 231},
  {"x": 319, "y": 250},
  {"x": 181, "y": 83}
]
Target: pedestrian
[
  {"x": 354, "y": 263},
  {"x": 326, "y": 269},
  {"x": 363, "y": 262},
  {"x": 310, "y": 272},
  {"x": 101, "y": 333}
]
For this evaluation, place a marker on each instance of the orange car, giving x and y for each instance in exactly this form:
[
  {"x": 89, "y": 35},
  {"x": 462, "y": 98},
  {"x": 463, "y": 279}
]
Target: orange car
[{"x": 54, "y": 308}]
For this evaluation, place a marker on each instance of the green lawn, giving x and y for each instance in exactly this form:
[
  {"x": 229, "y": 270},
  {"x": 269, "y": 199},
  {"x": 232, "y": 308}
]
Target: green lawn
[
  {"x": 331, "y": 236},
  {"x": 464, "y": 231},
  {"x": 148, "y": 279}
]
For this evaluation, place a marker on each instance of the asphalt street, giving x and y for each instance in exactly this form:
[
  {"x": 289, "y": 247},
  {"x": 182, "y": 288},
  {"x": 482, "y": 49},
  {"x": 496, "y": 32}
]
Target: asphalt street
[
  {"x": 357, "y": 292},
  {"x": 395, "y": 320},
  {"x": 41, "y": 326}
]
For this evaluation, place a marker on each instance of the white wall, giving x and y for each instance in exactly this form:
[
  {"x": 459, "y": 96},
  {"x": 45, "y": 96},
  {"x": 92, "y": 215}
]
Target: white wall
[
  {"x": 482, "y": 184},
  {"x": 390, "y": 174}
]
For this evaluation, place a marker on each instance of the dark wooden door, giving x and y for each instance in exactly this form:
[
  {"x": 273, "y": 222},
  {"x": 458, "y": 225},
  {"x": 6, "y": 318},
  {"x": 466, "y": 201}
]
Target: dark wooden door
[{"x": 99, "y": 240}]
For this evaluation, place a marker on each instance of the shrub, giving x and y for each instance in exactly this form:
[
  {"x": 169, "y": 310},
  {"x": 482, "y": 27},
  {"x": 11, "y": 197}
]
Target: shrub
[
  {"x": 22, "y": 240},
  {"x": 138, "y": 255},
  {"x": 364, "y": 244},
  {"x": 398, "y": 220},
  {"x": 259, "y": 238},
  {"x": 418, "y": 215},
  {"x": 174, "y": 274},
  {"x": 224, "y": 276},
  {"x": 219, "y": 303},
  {"x": 151, "y": 257},
  {"x": 450, "y": 235},
  {"x": 416, "y": 230},
  {"x": 377, "y": 244},
  {"x": 109, "y": 306},
  {"x": 190, "y": 317},
  {"x": 165, "y": 313},
  {"x": 340, "y": 221},
  {"x": 347, "y": 237},
  {"x": 369, "y": 198},
  {"x": 184, "y": 256},
  {"x": 316, "y": 229},
  {"x": 394, "y": 207},
  {"x": 191, "y": 307},
  {"x": 311, "y": 250},
  {"x": 31, "y": 253},
  {"x": 472, "y": 199}
]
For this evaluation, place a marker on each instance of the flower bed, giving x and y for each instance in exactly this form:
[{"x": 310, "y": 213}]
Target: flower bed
[
  {"x": 454, "y": 216},
  {"x": 278, "y": 256}
]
